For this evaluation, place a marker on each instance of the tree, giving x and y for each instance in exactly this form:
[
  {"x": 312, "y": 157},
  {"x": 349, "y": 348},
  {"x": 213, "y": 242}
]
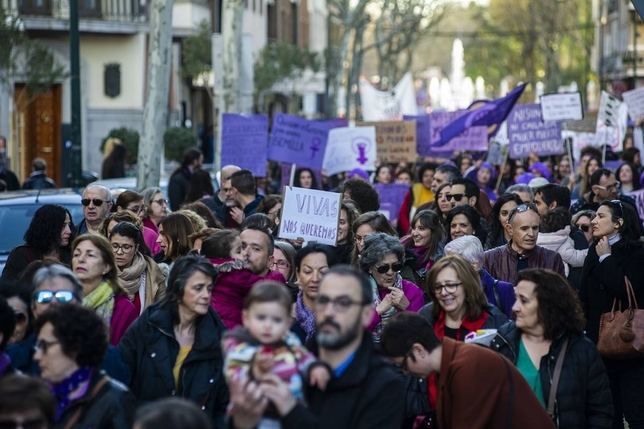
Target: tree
[
  {"x": 197, "y": 58},
  {"x": 27, "y": 61},
  {"x": 155, "y": 111}
]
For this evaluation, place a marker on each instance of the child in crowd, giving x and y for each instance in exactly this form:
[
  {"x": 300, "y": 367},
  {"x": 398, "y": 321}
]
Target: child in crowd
[
  {"x": 234, "y": 279},
  {"x": 554, "y": 234},
  {"x": 265, "y": 345}
]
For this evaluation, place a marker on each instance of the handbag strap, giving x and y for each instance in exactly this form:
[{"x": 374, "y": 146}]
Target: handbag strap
[
  {"x": 555, "y": 379},
  {"x": 102, "y": 382},
  {"x": 630, "y": 293}
]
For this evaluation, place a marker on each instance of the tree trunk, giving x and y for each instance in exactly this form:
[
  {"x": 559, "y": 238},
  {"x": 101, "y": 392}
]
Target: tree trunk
[
  {"x": 155, "y": 111},
  {"x": 231, "y": 31}
]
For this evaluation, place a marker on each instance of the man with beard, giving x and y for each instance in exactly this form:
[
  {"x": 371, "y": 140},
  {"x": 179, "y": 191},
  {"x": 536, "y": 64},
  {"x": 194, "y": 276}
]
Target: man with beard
[
  {"x": 364, "y": 392},
  {"x": 223, "y": 202}
]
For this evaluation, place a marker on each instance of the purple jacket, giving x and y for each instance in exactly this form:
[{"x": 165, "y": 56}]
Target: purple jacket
[
  {"x": 489, "y": 188},
  {"x": 123, "y": 316},
  {"x": 232, "y": 285},
  {"x": 414, "y": 296},
  {"x": 504, "y": 290}
]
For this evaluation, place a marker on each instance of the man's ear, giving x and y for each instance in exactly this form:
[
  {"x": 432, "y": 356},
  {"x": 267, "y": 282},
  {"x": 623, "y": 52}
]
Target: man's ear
[
  {"x": 508, "y": 227},
  {"x": 472, "y": 201},
  {"x": 270, "y": 262},
  {"x": 553, "y": 205}
]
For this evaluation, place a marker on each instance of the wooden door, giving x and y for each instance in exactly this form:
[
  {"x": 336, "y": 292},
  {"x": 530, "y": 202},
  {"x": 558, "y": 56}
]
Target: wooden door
[{"x": 40, "y": 136}]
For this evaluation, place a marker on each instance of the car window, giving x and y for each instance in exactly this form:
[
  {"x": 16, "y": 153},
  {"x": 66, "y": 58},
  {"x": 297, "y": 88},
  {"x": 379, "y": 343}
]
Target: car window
[{"x": 15, "y": 219}]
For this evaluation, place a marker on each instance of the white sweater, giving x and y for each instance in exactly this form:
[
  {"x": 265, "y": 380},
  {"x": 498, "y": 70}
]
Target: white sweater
[{"x": 561, "y": 243}]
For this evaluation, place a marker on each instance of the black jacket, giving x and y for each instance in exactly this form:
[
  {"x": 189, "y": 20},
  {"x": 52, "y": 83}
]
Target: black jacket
[
  {"x": 108, "y": 406},
  {"x": 583, "y": 395},
  {"x": 368, "y": 395},
  {"x": 23, "y": 255},
  {"x": 38, "y": 180},
  {"x": 178, "y": 187},
  {"x": 217, "y": 207},
  {"x": 150, "y": 350}
]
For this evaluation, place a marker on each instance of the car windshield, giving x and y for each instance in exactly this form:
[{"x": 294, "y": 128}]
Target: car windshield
[{"x": 15, "y": 219}]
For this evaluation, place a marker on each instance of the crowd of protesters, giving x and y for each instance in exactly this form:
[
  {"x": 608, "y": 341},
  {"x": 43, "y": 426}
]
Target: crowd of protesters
[{"x": 193, "y": 313}]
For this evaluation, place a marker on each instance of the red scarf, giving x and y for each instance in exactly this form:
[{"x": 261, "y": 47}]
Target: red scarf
[{"x": 439, "y": 329}]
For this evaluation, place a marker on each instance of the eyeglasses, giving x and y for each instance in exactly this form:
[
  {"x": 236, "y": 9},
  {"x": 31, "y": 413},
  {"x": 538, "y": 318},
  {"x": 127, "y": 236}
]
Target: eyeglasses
[
  {"x": 449, "y": 287},
  {"x": 621, "y": 207},
  {"x": 394, "y": 267},
  {"x": 20, "y": 317},
  {"x": 97, "y": 202},
  {"x": 340, "y": 304},
  {"x": 161, "y": 202},
  {"x": 359, "y": 238},
  {"x": 457, "y": 197},
  {"x": 45, "y": 296},
  {"x": 584, "y": 227},
  {"x": 43, "y": 345},
  {"x": 36, "y": 423},
  {"x": 609, "y": 188},
  {"x": 281, "y": 264},
  {"x": 522, "y": 208},
  {"x": 137, "y": 209},
  {"x": 125, "y": 248}
]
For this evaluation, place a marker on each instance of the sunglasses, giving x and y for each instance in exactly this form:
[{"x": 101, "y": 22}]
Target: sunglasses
[
  {"x": 621, "y": 207},
  {"x": 521, "y": 208},
  {"x": 97, "y": 202},
  {"x": 457, "y": 197},
  {"x": 394, "y": 267},
  {"x": 45, "y": 296},
  {"x": 26, "y": 424},
  {"x": 584, "y": 228}
]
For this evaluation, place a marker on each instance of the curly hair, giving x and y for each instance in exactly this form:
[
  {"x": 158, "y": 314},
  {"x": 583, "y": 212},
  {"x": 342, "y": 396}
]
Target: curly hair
[
  {"x": 45, "y": 228},
  {"x": 426, "y": 219},
  {"x": 219, "y": 244},
  {"x": 376, "y": 247},
  {"x": 118, "y": 217},
  {"x": 378, "y": 222},
  {"x": 202, "y": 210},
  {"x": 475, "y": 300},
  {"x": 81, "y": 332},
  {"x": 361, "y": 191},
  {"x": 560, "y": 310},
  {"x": 181, "y": 272},
  {"x": 202, "y": 234},
  {"x": 496, "y": 228},
  {"x": 107, "y": 255}
]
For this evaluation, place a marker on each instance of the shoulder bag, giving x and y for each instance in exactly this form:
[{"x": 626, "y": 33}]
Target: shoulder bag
[{"x": 621, "y": 333}]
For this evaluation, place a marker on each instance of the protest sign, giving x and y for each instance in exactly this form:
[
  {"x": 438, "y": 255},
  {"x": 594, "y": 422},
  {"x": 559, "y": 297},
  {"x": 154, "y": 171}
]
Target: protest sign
[
  {"x": 473, "y": 138},
  {"x": 608, "y": 109},
  {"x": 244, "y": 140},
  {"x": 311, "y": 215},
  {"x": 391, "y": 198},
  {"x": 396, "y": 141},
  {"x": 423, "y": 144},
  {"x": 349, "y": 148},
  {"x": 298, "y": 140},
  {"x": 561, "y": 107},
  {"x": 527, "y": 133},
  {"x": 579, "y": 141},
  {"x": 634, "y": 99}
]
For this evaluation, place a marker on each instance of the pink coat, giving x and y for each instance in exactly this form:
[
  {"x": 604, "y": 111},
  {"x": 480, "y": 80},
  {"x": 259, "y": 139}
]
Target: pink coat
[
  {"x": 232, "y": 285},
  {"x": 414, "y": 296},
  {"x": 123, "y": 316},
  {"x": 150, "y": 238}
]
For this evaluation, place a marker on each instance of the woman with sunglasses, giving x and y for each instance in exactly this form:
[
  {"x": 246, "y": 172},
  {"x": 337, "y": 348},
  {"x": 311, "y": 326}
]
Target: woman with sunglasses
[
  {"x": 616, "y": 253},
  {"x": 94, "y": 264},
  {"x": 132, "y": 201},
  {"x": 53, "y": 285},
  {"x": 382, "y": 260},
  {"x": 17, "y": 296},
  {"x": 582, "y": 221},
  {"x": 156, "y": 208},
  {"x": 139, "y": 274},
  {"x": 49, "y": 235},
  {"x": 72, "y": 342}
]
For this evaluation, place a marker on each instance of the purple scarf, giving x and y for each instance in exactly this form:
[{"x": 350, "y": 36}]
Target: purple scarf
[
  {"x": 5, "y": 363},
  {"x": 304, "y": 317},
  {"x": 63, "y": 390}
]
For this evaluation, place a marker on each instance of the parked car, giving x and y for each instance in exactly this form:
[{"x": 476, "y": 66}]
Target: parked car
[{"x": 17, "y": 208}]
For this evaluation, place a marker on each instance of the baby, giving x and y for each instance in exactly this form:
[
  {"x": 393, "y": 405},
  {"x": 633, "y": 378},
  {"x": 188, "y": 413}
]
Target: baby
[{"x": 265, "y": 345}]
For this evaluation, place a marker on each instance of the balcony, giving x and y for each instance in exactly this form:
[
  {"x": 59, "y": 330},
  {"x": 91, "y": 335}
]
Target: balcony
[{"x": 96, "y": 16}]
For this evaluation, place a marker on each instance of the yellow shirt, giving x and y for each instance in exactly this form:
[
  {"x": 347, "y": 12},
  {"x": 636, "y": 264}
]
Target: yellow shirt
[{"x": 181, "y": 357}]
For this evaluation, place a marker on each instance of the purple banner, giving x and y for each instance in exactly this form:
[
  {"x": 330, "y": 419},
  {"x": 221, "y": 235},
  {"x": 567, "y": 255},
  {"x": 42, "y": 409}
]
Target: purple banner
[
  {"x": 244, "y": 142},
  {"x": 473, "y": 138},
  {"x": 423, "y": 145},
  {"x": 528, "y": 133},
  {"x": 299, "y": 141},
  {"x": 391, "y": 197}
]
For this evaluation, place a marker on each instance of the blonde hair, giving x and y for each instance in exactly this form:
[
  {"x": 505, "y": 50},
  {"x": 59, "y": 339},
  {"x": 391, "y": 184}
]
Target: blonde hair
[{"x": 109, "y": 145}]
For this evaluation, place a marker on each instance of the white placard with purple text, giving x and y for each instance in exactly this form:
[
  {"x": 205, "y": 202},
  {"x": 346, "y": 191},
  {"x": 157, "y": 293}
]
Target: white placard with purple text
[
  {"x": 348, "y": 148},
  {"x": 527, "y": 133},
  {"x": 561, "y": 107},
  {"x": 311, "y": 215}
]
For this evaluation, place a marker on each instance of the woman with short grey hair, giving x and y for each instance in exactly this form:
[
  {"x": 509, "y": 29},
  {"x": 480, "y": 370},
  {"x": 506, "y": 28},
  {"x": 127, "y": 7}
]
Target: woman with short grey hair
[
  {"x": 48, "y": 274},
  {"x": 381, "y": 259},
  {"x": 498, "y": 293}
]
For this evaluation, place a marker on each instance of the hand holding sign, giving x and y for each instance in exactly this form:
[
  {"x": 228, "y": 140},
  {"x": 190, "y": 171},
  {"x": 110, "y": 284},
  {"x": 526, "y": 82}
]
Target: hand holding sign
[{"x": 310, "y": 214}]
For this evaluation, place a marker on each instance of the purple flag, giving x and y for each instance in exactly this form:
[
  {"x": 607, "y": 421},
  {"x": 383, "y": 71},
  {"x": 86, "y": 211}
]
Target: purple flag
[
  {"x": 423, "y": 144},
  {"x": 244, "y": 141},
  {"x": 391, "y": 197},
  {"x": 489, "y": 113},
  {"x": 299, "y": 141}
]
